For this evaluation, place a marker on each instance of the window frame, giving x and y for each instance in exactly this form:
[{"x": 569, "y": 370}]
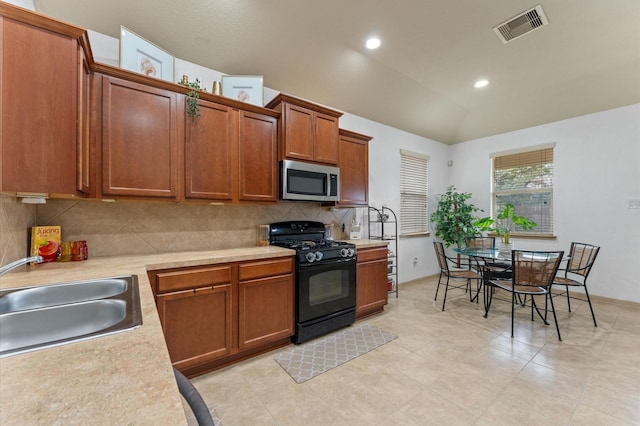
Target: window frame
[
  {"x": 526, "y": 153},
  {"x": 410, "y": 189}
]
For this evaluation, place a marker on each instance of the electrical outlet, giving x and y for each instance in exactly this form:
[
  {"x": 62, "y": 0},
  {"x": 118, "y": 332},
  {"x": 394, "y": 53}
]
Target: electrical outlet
[{"x": 634, "y": 204}]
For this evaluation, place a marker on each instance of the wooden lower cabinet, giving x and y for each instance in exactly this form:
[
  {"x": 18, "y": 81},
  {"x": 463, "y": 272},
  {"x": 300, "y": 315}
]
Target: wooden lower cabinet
[
  {"x": 265, "y": 303},
  {"x": 215, "y": 315},
  {"x": 196, "y": 324},
  {"x": 371, "y": 285}
]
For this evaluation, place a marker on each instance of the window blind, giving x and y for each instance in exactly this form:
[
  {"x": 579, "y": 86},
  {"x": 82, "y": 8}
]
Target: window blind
[
  {"x": 414, "y": 180},
  {"x": 525, "y": 179}
]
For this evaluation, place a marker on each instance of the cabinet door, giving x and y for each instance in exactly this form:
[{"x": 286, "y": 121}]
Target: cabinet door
[
  {"x": 38, "y": 112},
  {"x": 84, "y": 166},
  {"x": 197, "y": 324},
  {"x": 354, "y": 171},
  {"x": 371, "y": 273},
  {"x": 298, "y": 132},
  {"x": 258, "y": 171},
  {"x": 139, "y": 140},
  {"x": 325, "y": 147},
  {"x": 211, "y": 152},
  {"x": 265, "y": 305}
]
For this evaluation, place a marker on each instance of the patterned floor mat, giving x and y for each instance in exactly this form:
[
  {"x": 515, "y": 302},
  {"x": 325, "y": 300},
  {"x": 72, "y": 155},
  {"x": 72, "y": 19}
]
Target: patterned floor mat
[{"x": 317, "y": 356}]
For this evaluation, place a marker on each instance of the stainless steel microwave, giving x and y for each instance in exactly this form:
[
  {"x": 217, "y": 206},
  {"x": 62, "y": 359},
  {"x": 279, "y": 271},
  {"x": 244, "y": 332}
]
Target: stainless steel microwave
[{"x": 303, "y": 181}]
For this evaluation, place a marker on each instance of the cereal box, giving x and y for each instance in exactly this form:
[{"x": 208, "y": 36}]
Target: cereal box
[{"x": 45, "y": 242}]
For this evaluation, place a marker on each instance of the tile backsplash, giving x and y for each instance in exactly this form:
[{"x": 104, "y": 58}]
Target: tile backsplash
[{"x": 130, "y": 227}]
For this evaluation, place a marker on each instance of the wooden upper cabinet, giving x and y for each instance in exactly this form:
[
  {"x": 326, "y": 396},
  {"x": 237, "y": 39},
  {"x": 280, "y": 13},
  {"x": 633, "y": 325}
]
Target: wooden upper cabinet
[
  {"x": 139, "y": 140},
  {"x": 211, "y": 152},
  {"x": 258, "y": 155},
  {"x": 298, "y": 132},
  {"x": 354, "y": 169},
  {"x": 231, "y": 155},
  {"x": 85, "y": 167},
  {"x": 325, "y": 147},
  {"x": 39, "y": 95},
  {"x": 308, "y": 132}
]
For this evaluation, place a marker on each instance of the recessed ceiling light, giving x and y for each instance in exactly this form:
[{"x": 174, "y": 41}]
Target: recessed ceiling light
[
  {"x": 373, "y": 43},
  {"x": 481, "y": 83}
]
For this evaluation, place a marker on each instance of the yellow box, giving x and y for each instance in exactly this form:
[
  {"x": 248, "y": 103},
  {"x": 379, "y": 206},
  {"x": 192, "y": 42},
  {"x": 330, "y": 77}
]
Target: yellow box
[{"x": 45, "y": 242}]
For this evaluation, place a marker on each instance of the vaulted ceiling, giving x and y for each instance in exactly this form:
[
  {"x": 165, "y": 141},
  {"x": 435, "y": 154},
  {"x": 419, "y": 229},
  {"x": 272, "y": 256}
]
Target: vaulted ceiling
[{"x": 587, "y": 59}]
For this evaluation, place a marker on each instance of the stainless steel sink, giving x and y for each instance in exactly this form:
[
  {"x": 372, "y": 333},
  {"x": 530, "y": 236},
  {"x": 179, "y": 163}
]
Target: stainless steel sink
[
  {"x": 60, "y": 294},
  {"x": 40, "y": 317}
]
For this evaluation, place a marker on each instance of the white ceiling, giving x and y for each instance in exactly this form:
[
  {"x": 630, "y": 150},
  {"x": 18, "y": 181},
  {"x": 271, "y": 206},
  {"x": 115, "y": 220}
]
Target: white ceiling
[{"x": 420, "y": 80}]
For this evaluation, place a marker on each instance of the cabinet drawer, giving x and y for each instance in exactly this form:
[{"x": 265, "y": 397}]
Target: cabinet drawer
[
  {"x": 367, "y": 255},
  {"x": 253, "y": 270},
  {"x": 187, "y": 279}
]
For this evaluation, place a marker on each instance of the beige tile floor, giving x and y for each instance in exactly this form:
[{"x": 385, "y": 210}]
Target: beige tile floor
[{"x": 454, "y": 368}]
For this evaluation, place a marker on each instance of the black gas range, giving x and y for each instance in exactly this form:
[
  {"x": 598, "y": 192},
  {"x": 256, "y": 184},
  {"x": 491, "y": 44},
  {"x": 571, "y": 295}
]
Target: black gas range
[{"x": 325, "y": 277}]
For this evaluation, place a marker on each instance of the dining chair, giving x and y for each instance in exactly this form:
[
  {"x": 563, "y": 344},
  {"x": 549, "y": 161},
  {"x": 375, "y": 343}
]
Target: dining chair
[
  {"x": 481, "y": 242},
  {"x": 581, "y": 258},
  {"x": 450, "y": 273},
  {"x": 486, "y": 243},
  {"x": 533, "y": 273},
  {"x": 194, "y": 399}
]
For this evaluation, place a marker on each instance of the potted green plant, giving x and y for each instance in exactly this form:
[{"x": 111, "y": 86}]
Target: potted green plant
[
  {"x": 505, "y": 223},
  {"x": 454, "y": 218}
]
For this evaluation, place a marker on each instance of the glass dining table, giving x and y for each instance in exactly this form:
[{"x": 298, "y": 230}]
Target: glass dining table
[{"x": 491, "y": 264}]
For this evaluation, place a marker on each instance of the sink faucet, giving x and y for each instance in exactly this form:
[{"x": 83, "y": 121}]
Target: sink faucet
[{"x": 13, "y": 265}]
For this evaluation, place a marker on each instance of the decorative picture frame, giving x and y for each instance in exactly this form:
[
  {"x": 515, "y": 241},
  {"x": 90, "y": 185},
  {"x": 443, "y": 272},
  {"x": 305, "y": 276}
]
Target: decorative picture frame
[
  {"x": 142, "y": 56},
  {"x": 245, "y": 88}
]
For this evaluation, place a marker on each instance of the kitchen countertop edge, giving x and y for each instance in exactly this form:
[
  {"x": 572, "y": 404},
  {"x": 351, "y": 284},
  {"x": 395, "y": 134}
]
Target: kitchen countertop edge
[{"x": 112, "y": 379}]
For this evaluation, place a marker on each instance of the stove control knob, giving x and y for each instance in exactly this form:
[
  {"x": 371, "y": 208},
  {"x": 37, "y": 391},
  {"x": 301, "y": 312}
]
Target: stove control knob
[
  {"x": 318, "y": 255},
  {"x": 310, "y": 257},
  {"x": 351, "y": 252},
  {"x": 344, "y": 252}
]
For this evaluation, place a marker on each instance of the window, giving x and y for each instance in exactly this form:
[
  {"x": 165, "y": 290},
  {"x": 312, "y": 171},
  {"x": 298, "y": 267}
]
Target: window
[
  {"x": 413, "y": 193},
  {"x": 525, "y": 179}
]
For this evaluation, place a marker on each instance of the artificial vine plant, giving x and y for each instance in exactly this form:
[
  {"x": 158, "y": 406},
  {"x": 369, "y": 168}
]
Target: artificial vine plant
[
  {"x": 193, "y": 110},
  {"x": 454, "y": 218}
]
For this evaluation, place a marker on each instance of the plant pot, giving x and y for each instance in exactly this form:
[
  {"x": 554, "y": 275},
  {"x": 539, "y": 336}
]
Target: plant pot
[{"x": 505, "y": 249}]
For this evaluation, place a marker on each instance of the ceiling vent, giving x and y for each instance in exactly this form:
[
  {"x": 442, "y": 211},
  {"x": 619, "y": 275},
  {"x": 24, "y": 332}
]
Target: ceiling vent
[{"x": 522, "y": 24}]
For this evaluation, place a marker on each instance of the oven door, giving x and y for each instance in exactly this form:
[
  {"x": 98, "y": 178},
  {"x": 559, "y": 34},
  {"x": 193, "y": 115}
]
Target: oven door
[{"x": 325, "y": 288}]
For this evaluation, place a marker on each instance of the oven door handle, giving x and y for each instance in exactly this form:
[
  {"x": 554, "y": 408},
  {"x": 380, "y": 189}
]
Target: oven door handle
[{"x": 327, "y": 262}]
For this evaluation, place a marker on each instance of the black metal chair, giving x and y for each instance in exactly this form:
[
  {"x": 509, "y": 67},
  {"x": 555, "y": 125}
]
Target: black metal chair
[
  {"x": 533, "y": 274},
  {"x": 461, "y": 274},
  {"x": 582, "y": 258},
  {"x": 194, "y": 399}
]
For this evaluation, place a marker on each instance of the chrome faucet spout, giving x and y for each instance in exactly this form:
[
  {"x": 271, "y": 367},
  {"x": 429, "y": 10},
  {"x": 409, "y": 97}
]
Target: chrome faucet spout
[{"x": 13, "y": 265}]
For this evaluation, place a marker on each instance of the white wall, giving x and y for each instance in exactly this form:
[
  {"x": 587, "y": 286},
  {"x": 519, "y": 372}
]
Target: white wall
[
  {"x": 596, "y": 173},
  {"x": 27, "y": 4},
  {"x": 384, "y": 184}
]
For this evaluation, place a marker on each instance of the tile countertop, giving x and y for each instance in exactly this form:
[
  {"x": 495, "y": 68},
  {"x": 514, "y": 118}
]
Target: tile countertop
[{"x": 124, "y": 378}]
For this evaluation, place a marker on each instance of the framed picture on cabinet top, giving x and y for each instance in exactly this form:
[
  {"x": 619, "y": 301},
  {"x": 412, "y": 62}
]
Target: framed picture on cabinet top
[
  {"x": 142, "y": 56},
  {"x": 245, "y": 88}
]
